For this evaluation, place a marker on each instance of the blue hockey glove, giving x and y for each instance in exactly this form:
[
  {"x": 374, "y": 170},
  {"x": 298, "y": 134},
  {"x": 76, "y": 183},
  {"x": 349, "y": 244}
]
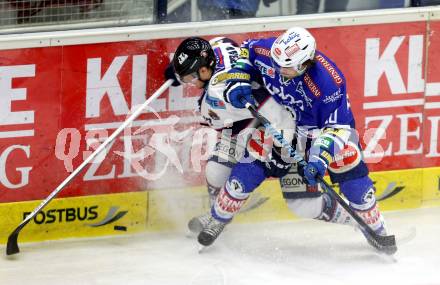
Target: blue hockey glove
[
  {"x": 238, "y": 88},
  {"x": 169, "y": 74},
  {"x": 319, "y": 160},
  {"x": 238, "y": 94},
  {"x": 320, "y": 157},
  {"x": 314, "y": 168}
]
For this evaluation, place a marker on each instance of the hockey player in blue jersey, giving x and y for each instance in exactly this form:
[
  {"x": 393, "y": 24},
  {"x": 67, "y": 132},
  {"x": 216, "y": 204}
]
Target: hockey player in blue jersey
[
  {"x": 240, "y": 175},
  {"x": 307, "y": 82}
]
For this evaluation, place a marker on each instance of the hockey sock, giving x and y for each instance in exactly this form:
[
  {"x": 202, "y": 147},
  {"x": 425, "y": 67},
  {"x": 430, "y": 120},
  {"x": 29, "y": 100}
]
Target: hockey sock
[{"x": 229, "y": 201}]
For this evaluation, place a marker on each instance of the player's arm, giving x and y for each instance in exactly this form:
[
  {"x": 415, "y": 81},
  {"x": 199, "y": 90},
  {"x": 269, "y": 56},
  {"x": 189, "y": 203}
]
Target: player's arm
[
  {"x": 239, "y": 86},
  {"x": 336, "y": 118}
]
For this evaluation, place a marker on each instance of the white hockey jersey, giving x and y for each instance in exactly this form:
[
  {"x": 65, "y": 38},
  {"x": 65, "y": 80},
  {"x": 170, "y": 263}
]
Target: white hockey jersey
[{"x": 214, "y": 110}]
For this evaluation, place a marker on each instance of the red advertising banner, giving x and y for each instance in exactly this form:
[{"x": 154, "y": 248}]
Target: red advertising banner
[
  {"x": 30, "y": 91},
  {"x": 431, "y": 119},
  {"x": 59, "y": 102}
]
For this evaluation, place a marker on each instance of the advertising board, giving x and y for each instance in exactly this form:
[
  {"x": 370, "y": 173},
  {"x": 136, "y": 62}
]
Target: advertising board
[{"x": 58, "y": 102}]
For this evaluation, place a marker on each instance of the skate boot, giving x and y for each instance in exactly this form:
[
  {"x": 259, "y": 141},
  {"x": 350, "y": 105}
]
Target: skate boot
[
  {"x": 211, "y": 232},
  {"x": 197, "y": 224}
]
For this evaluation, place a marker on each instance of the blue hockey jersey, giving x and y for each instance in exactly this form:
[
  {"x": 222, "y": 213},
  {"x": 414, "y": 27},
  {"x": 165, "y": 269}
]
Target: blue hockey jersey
[{"x": 318, "y": 97}]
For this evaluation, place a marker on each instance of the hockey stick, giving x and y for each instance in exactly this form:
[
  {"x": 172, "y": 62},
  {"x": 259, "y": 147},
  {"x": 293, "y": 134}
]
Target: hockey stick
[
  {"x": 12, "y": 245},
  {"x": 386, "y": 244}
]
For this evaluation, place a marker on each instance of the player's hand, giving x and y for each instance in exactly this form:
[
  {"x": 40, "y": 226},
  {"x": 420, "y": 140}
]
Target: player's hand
[
  {"x": 314, "y": 168},
  {"x": 169, "y": 74},
  {"x": 278, "y": 164},
  {"x": 238, "y": 94}
]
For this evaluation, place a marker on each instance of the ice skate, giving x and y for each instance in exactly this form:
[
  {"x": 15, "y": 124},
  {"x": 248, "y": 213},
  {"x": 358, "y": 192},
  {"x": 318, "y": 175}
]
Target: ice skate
[
  {"x": 209, "y": 234},
  {"x": 197, "y": 224}
]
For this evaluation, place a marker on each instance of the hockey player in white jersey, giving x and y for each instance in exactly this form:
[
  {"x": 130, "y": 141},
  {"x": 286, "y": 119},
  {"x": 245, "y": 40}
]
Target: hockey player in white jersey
[{"x": 205, "y": 65}]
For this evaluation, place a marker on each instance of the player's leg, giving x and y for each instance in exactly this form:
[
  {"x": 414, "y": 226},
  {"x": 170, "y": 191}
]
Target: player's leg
[
  {"x": 216, "y": 175},
  {"x": 244, "y": 179},
  {"x": 350, "y": 171},
  {"x": 308, "y": 202},
  {"x": 260, "y": 161},
  {"x": 218, "y": 168}
]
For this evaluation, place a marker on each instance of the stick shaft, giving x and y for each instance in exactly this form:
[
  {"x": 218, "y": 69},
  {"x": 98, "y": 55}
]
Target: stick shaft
[{"x": 92, "y": 156}]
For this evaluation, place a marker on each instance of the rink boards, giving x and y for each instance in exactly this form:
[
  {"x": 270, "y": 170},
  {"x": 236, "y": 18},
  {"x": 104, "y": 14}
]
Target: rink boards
[
  {"x": 63, "y": 92},
  {"x": 165, "y": 210},
  {"x": 78, "y": 216}
]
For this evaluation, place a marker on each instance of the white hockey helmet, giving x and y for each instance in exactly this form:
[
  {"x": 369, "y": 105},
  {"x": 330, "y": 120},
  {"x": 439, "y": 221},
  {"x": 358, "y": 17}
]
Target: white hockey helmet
[{"x": 293, "y": 48}]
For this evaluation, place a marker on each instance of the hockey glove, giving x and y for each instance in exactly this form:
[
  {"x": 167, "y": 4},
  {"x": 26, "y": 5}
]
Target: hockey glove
[
  {"x": 238, "y": 94},
  {"x": 317, "y": 165},
  {"x": 169, "y": 74},
  {"x": 312, "y": 170},
  {"x": 278, "y": 165},
  {"x": 238, "y": 90}
]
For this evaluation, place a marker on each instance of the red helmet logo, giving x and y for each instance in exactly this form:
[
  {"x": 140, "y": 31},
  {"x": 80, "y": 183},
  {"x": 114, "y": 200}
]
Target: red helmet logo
[{"x": 292, "y": 50}]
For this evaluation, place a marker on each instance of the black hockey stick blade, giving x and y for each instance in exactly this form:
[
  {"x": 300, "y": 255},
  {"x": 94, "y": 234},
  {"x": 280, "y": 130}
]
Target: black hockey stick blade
[
  {"x": 12, "y": 245},
  {"x": 386, "y": 244}
]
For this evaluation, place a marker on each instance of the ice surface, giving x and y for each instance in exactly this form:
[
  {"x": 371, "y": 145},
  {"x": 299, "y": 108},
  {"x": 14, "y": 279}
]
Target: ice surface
[{"x": 301, "y": 252}]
